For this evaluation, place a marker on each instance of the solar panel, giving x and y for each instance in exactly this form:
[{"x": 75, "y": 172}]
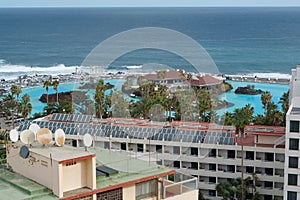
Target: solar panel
[
  {"x": 231, "y": 141},
  {"x": 106, "y": 170},
  {"x": 99, "y": 173}
]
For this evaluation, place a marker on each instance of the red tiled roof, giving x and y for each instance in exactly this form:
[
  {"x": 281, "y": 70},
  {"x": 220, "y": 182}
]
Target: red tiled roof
[
  {"x": 168, "y": 75},
  {"x": 205, "y": 80}
]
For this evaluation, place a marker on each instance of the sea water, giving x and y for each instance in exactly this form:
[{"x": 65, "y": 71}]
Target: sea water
[{"x": 240, "y": 40}]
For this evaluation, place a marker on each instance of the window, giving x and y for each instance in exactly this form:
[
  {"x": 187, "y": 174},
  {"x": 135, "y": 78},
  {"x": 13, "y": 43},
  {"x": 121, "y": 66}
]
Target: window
[
  {"x": 212, "y": 153},
  {"x": 292, "y": 179},
  {"x": 293, "y": 162},
  {"x": 116, "y": 194},
  {"x": 146, "y": 189},
  {"x": 268, "y": 184},
  {"x": 294, "y": 126},
  {"x": 291, "y": 195},
  {"x": 269, "y": 156},
  {"x": 194, "y": 151},
  {"x": 250, "y": 155},
  {"x": 212, "y": 193},
  {"x": 231, "y": 153},
  {"x": 212, "y": 167},
  {"x": 212, "y": 179},
  {"x": 158, "y": 148},
  {"x": 294, "y": 144}
]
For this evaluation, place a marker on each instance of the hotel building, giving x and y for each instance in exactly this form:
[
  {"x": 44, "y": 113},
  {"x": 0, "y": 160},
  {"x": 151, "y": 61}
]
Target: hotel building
[{"x": 292, "y": 152}]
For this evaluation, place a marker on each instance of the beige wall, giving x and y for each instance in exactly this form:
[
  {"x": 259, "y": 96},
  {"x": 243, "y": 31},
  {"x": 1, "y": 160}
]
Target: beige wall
[
  {"x": 35, "y": 167},
  {"x": 129, "y": 192},
  {"x": 188, "y": 195},
  {"x": 267, "y": 139},
  {"x": 74, "y": 176},
  {"x": 57, "y": 177}
]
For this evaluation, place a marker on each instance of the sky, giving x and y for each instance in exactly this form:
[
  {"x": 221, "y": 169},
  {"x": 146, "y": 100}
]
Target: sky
[{"x": 145, "y": 3}]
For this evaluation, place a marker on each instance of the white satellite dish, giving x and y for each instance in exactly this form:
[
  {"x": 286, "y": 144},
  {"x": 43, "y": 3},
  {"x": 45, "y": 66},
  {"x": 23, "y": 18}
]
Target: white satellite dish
[
  {"x": 34, "y": 128},
  {"x": 87, "y": 140},
  {"x": 44, "y": 136},
  {"x": 14, "y": 135},
  {"x": 27, "y": 137},
  {"x": 59, "y": 137}
]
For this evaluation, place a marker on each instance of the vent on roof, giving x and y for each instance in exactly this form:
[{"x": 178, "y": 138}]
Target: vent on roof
[{"x": 106, "y": 170}]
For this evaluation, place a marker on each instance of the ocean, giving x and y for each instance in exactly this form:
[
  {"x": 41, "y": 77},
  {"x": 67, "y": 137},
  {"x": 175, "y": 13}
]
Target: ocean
[{"x": 260, "y": 41}]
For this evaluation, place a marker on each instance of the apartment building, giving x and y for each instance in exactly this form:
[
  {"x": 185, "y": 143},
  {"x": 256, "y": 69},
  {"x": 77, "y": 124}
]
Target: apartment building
[
  {"x": 208, "y": 152},
  {"x": 292, "y": 153}
]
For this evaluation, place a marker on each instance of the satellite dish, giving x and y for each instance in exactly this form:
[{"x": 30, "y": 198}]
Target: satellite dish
[
  {"x": 14, "y": 135},
  {"x": 24, "y": 152},
  {"x": 27, "y": 137},
  {"x": 34, "y": 128},
  {"x": 59, "y": 137},
  {"x": 87, "y": 140},
  {"x": 44, "y": 136}
]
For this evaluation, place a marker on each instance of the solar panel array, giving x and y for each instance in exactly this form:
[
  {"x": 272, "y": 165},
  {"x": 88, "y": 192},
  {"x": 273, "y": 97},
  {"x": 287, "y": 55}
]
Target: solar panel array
[
  {"x": 161, "y": 134},
  {"x": 219, "y": 137},
  {"x": 71, "y": 118}
]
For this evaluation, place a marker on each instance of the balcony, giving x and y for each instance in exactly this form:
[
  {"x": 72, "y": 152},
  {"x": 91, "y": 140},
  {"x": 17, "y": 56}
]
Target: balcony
[{"x": 180, "y": 186}]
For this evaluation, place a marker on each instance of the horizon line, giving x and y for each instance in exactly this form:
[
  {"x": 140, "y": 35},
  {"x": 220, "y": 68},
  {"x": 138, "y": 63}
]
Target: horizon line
[{"x": 207, "y": 6}]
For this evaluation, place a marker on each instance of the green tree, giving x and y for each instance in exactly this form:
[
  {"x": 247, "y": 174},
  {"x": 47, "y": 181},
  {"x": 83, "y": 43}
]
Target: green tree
[
  {"x": 204, "y": 102},
  {"x": 119, "y": 106},
  {"x": 284, "y": 101},
  {"x": 242, "y": 117},
  {"x": 99, "y": 98},
  {"x": 65, "y": 107},
  {"x": 266, "y": 98},
  {"x": 47, "y": 84},
  {"x": 25, "y": 107},
  {"x": 51, "y": 107},
  {"x": 227, "y": 119},
  {"x": 55, "y": 85}
]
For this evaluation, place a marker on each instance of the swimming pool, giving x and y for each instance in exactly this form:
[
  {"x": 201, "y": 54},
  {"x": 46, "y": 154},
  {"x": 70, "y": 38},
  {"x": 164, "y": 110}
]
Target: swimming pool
[{"x": 238, "y": 100}]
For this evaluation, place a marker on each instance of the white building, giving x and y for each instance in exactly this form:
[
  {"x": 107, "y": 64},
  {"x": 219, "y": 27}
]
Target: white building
[{"x": 292, "y": 153}]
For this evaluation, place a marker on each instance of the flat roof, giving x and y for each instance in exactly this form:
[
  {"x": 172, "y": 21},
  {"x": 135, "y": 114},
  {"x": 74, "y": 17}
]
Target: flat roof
[
  {"x": 129, "y": 168},
  {"x": 61, "y": 154},
  {"x": 15, "y": 186}
]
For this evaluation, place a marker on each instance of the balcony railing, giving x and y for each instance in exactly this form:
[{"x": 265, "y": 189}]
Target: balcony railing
[{"x": 178, "y": 184}]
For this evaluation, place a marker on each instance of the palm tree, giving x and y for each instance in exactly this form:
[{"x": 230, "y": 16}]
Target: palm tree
[
  {"x": 266, "y": 98},
  {"x": 284, "y": 101},
  {"x": 25, "y": 107},
  {"x": 241, "y": 118},
  {"x": 46, "y": 86},
  {"x": 55, "y": 87}
]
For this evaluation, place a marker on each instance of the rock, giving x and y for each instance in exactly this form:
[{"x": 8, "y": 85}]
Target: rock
[{"x": 247, "y": 90}]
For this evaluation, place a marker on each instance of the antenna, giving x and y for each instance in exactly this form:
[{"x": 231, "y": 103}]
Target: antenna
[
  {"x": 14, "y": 135},
  {"x": 27, "y": 137},
  {"x": 44, "y": 136},
  {"x": 24, "y": 152},
  {"x": 59, "y": 137},
  {"x": 87, "y": 140},
  {"x": 34, "y": 128}
]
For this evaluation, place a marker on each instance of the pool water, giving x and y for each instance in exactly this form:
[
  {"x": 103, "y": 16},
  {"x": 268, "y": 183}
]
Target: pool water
[{"x": 238, "y": 100}]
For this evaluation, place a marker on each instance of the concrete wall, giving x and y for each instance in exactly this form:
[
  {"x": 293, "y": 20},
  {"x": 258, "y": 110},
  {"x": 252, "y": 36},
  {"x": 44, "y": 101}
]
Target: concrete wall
[
  {"x": 129, "y": 192},
  {"x": 35, "y": 167}
]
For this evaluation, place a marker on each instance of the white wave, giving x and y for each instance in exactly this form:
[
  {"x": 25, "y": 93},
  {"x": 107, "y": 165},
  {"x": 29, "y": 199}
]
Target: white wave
[
  {"x": 8, "y": 68},
  {"x": 2, "y": 61},
  {"x": 271, "y": 75},
  {"x": 264, "y": 75}
]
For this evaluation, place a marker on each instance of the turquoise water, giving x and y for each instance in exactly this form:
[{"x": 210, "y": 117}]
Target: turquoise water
[
  {"x": 36, "y": 92},
  {"x": 239, "y": 100}
]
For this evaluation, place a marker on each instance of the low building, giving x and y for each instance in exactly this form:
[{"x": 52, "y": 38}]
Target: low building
[{"x": 51, "y": 172}]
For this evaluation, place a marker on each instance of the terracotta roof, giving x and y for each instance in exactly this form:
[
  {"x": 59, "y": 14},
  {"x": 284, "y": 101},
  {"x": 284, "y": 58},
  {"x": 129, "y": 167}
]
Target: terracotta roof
[
  {"x": 205, "y": 80},
  {"x": 169, "y": 75}
]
